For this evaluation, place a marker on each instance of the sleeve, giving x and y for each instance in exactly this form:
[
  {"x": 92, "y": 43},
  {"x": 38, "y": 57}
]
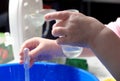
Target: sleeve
[{"x": 115, "y": 27}]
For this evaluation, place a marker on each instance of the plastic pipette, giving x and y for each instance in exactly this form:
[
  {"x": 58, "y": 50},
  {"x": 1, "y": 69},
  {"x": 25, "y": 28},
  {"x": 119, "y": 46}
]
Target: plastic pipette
[{"x": 26, "y": 64}]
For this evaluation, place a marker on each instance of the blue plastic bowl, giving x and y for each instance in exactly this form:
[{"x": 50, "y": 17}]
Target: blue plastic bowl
[{"x": 45, "y": 72}]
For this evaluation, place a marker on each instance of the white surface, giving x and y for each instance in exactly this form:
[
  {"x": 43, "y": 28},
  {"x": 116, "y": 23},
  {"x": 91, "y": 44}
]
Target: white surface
[{"x": 97, "y": 68}]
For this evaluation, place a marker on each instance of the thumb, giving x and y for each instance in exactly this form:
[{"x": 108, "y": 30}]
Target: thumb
[
  {"x": 62, "y": 40},
  {"x": 35, "y": 52}
]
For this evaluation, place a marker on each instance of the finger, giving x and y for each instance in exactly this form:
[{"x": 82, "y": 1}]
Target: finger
[
  {"x": 58, "y": 31},
  {"x": 26, "y": 44},
  {"x": 36, "y": 51},
  {"x": 60, "y": 15},
  {"x": 62, "y": 40},
  {"x": 30, "y": 44},
  {"x": 33, "y": 54},
  {"x": 21, "y": 61},
  {"x": 60, "y": 23},
  {"x": 31, "y": 62}
]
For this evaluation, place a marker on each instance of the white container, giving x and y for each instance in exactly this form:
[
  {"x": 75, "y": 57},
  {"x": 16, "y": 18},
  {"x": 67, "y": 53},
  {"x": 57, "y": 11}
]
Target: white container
[{"x": 20, "y": 28}]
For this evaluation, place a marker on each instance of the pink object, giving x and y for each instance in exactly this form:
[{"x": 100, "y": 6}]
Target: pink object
[{"x": 115, "y": 26}]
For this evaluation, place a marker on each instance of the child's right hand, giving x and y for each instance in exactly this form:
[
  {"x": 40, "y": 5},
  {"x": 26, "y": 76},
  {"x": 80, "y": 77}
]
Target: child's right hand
[{"x": 40, "y": 49}]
